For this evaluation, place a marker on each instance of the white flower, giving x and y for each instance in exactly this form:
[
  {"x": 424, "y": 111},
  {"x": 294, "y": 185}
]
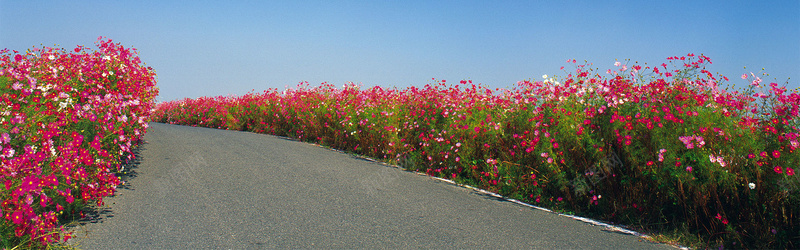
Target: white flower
[
  {"x": 544, "y": 76},
  {"x": 752, "y": 185}
]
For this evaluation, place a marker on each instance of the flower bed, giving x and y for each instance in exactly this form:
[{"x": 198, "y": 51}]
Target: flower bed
[
  {"x": 69, "y": 118},
  {"x": 659, "y": 148}
]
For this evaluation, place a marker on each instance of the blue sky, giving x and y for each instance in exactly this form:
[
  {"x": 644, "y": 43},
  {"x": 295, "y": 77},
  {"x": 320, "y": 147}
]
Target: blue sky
[{"x": 211, "y": 48}]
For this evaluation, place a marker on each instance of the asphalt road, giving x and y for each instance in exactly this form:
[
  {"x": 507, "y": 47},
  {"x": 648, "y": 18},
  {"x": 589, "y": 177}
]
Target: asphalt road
[{"x": 208, "y": 188}]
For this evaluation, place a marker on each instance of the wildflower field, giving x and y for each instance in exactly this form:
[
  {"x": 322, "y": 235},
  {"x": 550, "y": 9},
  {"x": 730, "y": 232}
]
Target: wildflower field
[
  {"x": 665, "y": 149},
  {"x": 69, "y": 119}
]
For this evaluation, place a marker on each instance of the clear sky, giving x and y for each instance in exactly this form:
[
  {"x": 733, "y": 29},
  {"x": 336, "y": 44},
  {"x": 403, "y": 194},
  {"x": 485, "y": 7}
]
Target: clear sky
[{"x": 211, "y": 48}]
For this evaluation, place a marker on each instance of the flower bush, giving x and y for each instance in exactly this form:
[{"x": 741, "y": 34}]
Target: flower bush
[
  {"x": 662, "y": 148},
  {"x": 69, "y": 119}
]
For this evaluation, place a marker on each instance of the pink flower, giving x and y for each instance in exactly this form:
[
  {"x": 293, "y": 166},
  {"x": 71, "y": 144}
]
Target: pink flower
[
  {"x": 777, "y": 169},
  {"x": 789, "y": 171},
  {"x": 5, "y": 138},
  {"x": 687, "y": 141},
  {"x": 689, "y": 169},
  {"x": 756, "y": 82},
  {"x": 776, "y": 154},
  {"x": 744, "y": 76}
]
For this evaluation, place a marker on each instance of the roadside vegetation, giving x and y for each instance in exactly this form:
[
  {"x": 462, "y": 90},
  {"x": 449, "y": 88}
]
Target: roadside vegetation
[
  {"x": 665, "y": 149},
  {"x": 69, "y": 120}
]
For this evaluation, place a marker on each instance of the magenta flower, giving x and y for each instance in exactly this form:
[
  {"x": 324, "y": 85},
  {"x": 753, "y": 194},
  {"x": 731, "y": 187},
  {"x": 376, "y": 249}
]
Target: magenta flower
[{"x": 17, "y": 217}]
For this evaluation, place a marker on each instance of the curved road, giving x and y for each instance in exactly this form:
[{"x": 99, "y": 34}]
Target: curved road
[{"x": 208, "y": 188}]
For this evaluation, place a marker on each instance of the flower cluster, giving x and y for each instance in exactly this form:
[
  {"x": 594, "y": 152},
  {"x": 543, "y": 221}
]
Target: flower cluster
[
  {"x": 69, "y": 119},
  {"x": 637, "y": 136}
]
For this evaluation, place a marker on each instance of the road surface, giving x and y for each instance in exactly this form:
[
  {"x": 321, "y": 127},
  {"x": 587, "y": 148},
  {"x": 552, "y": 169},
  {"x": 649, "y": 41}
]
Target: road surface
[{"x": 207, "y": 188}]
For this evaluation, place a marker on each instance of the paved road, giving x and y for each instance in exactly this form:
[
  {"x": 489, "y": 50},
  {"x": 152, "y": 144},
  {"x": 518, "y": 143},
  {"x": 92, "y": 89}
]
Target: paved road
[{"x": 207, "y": 188}]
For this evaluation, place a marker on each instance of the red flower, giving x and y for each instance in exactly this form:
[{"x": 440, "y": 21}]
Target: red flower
[
  {"x": 789, "y": 171},
  {"x": 776, "y": 154},
  {"x": 777, "y": 169}
]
